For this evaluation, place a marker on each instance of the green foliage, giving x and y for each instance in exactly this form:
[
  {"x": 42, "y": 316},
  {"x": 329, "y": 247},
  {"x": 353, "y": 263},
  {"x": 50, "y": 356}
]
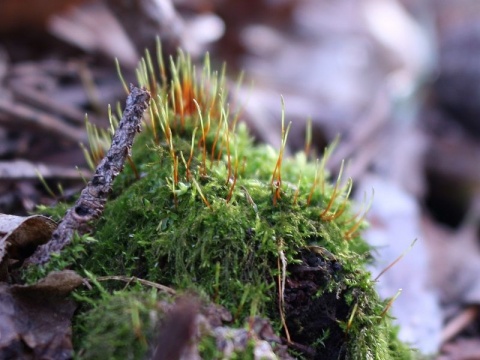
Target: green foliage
[
  {"x": 207, "y": 348},
  {"x": 117, "y": 326},
  {"x": 69, "y": 259},
  {"x": 56, "y": 213}
]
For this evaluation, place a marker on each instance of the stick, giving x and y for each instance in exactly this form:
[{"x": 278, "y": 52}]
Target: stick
[
  {"x": 20, "y": 116},
  {"x": 94, "y": 196}
]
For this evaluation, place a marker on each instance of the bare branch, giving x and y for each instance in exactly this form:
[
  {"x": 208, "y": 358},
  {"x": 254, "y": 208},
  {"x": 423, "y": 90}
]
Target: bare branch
[{"x": 94, "y": 196}]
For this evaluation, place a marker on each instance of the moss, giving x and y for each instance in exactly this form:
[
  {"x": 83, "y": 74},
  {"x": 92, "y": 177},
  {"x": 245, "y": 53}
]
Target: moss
[
  {"x": 117, "y": 326},
  {"x": 203, "y": 208},
  {"x": 207, "y": 348}
]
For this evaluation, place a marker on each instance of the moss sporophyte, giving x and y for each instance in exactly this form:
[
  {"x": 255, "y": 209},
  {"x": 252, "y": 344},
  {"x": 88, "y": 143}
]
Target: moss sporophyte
[{"x": 201, "y": 208}]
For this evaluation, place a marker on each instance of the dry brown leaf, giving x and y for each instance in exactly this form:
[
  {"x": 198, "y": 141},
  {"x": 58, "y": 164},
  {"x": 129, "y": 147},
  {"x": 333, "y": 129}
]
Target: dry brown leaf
[
  {"x": 35, "y": 320},
  {"x": 20, "y": 236}
]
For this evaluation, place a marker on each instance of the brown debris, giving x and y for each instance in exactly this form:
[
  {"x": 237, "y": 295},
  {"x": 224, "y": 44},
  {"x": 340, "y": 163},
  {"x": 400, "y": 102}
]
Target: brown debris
[
  {"x": 24, "y": 233},
  {"x": 133, "y": 279},
  {"x": 22, "y": 170},
  {"x": 176, "y": 331},
  {"x": 20, "y": 236},
  {"x": 189, "y": 320},
  {"x": 459, "y": 323},
  {"x": 27, "y": 117},
  {"x": 34, "y": 97},
  {"x": 35, "y": 320}
]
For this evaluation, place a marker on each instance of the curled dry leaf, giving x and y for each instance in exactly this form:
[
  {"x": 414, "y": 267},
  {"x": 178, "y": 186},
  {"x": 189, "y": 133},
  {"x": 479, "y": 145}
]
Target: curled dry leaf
[
  {"x": 20, "y": 236},
  {"x": 35, "y": 320}
]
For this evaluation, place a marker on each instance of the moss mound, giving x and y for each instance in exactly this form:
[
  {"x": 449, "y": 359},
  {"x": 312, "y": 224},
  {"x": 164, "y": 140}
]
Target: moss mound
[{"x": 203, "y": 208}]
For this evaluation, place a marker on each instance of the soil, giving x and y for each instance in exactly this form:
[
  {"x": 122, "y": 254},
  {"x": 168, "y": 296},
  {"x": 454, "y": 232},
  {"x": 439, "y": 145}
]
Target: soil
[{"x": 308, "y": 315}]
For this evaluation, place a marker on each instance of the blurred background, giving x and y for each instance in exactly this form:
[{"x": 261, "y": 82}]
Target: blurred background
[{"x": 398, "y": 80}]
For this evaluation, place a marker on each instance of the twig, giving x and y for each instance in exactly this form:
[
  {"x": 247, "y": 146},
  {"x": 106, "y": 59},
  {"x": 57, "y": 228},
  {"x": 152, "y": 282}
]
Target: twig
[
  {"x": 396, "y": 260},
  {"x": 25, "y": 170},
  {"x": 39, "y": 99},
  {"x": 129, "y": 279},
  {"x": 459, "y": 323},
  {"x": 93, "y": 198},
  {"x": 27, "y": 117}
]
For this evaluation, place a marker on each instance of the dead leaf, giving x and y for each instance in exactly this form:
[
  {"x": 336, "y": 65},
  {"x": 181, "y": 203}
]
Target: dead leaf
[
  {"x": 20, "y": 236},
  {"x": 56, "y": 283},
  {"x": 35, "y": 320}
]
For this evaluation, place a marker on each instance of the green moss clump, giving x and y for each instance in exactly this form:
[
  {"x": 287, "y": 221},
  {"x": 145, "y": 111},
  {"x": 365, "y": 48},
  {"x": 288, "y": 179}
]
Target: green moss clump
[
  {"x": 205, "y": 209},
  {"x": 117, "y": 326}
]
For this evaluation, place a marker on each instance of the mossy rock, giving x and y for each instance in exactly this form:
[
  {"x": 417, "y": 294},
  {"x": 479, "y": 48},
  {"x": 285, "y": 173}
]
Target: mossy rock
[{"x": 204, "y": 209}]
